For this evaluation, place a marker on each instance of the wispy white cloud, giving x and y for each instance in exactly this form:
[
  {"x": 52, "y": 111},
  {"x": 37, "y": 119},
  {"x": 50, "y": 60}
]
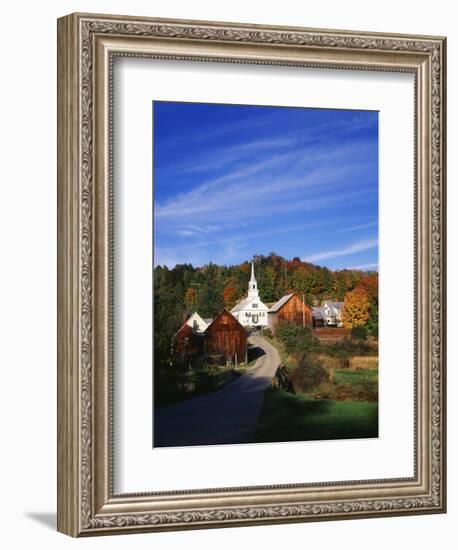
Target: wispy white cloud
[
  {"x": 193, "y": 230},
  {"x": 239, "y": 127},
  {"x": 262, "y": 181},
  {"x": 352, "y": 248},
  {"x": 269, "y": 120},
  {"x": 247, "y": 235},
  {"x": 365, "y": 267},
  {"x": 267, "y": 183},
  {"x": 357, "y": 227},
  {"x": 233, "y": 155}
]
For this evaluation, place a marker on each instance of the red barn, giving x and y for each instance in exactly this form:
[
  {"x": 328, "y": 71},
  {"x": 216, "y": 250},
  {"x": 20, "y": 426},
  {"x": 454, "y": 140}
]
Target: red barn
[
  {"x": 290, "y": 309},
  {"x": 226, "y": 337},
  {"x": 186, "y": 340}
]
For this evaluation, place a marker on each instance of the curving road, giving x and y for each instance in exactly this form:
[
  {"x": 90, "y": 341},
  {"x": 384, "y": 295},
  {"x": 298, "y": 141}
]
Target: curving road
[{"x": 225, "y": 416}]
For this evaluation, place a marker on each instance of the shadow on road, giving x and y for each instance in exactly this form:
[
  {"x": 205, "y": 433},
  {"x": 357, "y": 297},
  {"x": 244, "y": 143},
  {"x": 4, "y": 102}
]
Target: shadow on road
[
  {"x": 225, "y": 416},
  {"x": 254, "y": 352}
]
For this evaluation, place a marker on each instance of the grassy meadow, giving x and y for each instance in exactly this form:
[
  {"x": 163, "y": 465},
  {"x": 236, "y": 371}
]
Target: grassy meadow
[
  {"x": 331, "y": 390},
  {"x": 289, "y": 417}
]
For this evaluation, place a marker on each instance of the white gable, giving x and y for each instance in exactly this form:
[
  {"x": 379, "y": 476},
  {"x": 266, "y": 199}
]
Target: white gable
[{"x": 197, "y": 323}]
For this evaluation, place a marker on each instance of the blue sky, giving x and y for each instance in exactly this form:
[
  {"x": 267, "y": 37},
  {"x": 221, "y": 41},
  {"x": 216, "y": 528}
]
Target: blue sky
[{"x": 232, "y": 181}]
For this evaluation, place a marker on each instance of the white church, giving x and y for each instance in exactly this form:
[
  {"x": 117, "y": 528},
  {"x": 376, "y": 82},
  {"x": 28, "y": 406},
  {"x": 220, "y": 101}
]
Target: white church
[{"x": 251, "y": 311}]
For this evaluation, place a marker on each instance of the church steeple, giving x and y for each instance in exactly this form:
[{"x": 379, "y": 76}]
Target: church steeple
[{"x": 252, "y": 285}]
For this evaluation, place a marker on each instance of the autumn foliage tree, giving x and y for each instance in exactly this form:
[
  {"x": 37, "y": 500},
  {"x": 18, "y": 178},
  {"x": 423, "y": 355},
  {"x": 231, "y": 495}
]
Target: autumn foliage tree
[
  {"x": 209, "y": 288},
  {"x": 370, "y": 285},
  {"x": 190, "y": 298},
  {"x": 356, "y": 308},
  {"x": 229, "y": 296}
]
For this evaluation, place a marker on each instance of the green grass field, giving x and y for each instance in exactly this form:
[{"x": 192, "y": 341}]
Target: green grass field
[
  {"x": 346, "y": 376},
  {"x": 288, "y": 417}
]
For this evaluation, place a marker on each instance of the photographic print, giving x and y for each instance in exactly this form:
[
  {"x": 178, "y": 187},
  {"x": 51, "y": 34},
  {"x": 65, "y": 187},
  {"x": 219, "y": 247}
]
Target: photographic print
[{"x": 265, "y": 275}]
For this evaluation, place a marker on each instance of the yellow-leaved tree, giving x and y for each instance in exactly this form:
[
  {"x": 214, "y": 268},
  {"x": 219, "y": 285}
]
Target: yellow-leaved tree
[
  {"x": 190, "y": 298},
  {"x": 356, "y": 308}
]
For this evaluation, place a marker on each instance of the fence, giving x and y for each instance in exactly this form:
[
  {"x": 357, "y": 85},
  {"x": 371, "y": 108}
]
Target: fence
[{"x": 281, "y": 379}]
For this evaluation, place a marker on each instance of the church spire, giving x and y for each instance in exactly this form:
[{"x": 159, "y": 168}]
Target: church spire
[
  {"x": 252, "y": 280},
  {"x": 252, "y": 285}
]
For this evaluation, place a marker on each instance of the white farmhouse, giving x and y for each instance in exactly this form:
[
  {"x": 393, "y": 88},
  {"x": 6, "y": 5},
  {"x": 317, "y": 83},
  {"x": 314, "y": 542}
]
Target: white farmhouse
[
  {"x": 251, "y": 311},
  {"x": 198, "y": 324},
  {"x": 329, "y": 314}
]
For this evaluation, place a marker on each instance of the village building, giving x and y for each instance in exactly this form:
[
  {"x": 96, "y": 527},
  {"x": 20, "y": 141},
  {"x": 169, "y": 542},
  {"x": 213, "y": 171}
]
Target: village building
[
  {"x": 187, "y": 340},
  {"x": 289, "y": 309},
  {"x": 318, "y": 316},
  {"x": 251, "y": 311},
  {"x": 226, "y": 339},
  {"x": 329, "y": 314},
  {"x": 197, "y": 323}
]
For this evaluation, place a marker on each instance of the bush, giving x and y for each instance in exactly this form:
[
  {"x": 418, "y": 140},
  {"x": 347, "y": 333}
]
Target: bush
[
  {"x": 365, "y": 392},
  {"x": 295, "y": 338},
  {"x": 359, "y": 332},
  {"x": 308, "y": 374},
  {"x": 343, "y": 357},
  {"x": 348, "y": 348},
  {"x": 267, "y": 333},
  {"x": 372, "y": 322},
  {"x": 329, "y": 362}
]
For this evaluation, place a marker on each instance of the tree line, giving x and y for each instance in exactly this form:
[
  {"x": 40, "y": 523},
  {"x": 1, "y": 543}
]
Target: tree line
[{"x": 208, "y": 289}]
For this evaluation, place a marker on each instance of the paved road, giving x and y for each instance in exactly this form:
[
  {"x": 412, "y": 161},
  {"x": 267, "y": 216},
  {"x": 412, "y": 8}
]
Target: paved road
[{"x": 225, "y": 416}]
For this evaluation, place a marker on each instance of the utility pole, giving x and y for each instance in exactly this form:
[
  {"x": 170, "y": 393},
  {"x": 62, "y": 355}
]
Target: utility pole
[{"x": 197, "y": 288}]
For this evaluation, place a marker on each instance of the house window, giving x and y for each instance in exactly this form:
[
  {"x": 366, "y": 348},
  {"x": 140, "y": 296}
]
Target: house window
[{"x": 255, "y": 305}]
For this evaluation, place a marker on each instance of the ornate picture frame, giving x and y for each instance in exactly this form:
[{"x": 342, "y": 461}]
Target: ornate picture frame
[{"x": 87, "y": 46}]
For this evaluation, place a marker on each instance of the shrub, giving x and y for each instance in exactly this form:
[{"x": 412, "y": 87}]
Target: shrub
[
  {"x": 372, "y": 322},
  {"x": 329, "y": 362},
  {"x": 343, "y": 357},
  {"x": 359, "y": 332},
  {"x": 366, "y": 391},
  {"x": 296, "y": 338},
  {"x": 267, "y": 332},
  {"x": 348, "y": 348},
  {"x": 308, "y": 374}
]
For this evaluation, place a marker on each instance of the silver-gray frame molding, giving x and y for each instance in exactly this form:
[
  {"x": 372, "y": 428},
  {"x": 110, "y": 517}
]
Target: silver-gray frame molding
[{"x": 87, "y": 45}]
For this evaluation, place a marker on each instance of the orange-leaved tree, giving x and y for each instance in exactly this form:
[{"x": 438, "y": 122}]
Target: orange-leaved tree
[
  {"x": 190, "y": 298},
  {"x": 229, "y": 296},
  {"x": 369, "y": 283},
  {"x": 356, "y": 308}
]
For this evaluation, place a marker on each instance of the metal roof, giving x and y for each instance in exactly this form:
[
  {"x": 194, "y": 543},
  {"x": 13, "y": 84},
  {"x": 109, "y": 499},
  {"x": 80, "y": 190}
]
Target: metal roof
[
  {"x": 337, "y": 305},
  {"x": 281, "y": 302},
  {"x": 241, "y": 305},
  {"x": 245, "y": 303},
  {"x": 318, "y": 312}
]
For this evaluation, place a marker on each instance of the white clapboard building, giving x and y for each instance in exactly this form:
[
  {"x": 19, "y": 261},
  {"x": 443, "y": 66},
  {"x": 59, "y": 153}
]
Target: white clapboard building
[
  {"x": 198, "y": 324},
  {"x": 251, "y": 311}
]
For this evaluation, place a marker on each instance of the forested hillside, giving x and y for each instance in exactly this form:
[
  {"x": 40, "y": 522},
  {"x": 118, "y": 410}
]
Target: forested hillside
[{"x": 208, "y": 289}]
